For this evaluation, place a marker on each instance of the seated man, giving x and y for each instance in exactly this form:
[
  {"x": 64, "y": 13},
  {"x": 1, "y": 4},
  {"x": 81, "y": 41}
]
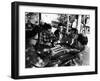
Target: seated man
[
  {"x": 83, "y": 56},
  {"x": 45, "y": 35}
]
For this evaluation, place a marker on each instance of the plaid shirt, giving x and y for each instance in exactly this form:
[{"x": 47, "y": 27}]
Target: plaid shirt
[{"x": 45, "y": 37}]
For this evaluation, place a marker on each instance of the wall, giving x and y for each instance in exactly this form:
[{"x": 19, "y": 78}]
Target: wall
[{"x": 5, "y": 40}]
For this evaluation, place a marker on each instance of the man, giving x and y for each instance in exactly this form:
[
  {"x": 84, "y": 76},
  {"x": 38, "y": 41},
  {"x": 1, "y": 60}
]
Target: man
[
  {"x": 70, "y": 39},
  {"x": 83, "y": 56},
  {"x": 45, "y": 35}
]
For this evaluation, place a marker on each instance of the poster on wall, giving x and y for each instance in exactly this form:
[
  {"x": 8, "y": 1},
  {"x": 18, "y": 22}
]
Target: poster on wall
[{"x": 51, "y": 40}]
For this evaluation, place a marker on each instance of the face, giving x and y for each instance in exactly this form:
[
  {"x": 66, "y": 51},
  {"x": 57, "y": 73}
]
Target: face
[
  {"x": 49, "y": 30},
  {"x": 61, "y": 28},
  {"x": 73, "y": 34}
]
